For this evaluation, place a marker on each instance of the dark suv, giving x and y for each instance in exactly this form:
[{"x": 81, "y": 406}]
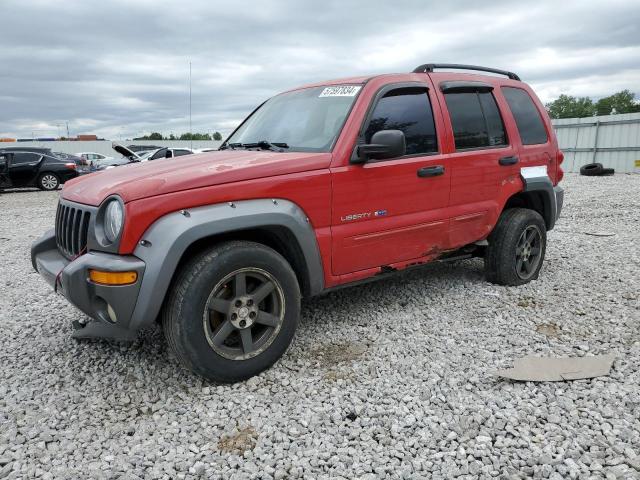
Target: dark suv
[
  {"x": 35, "y": 168},
  {"x": 322, "y": 186}
]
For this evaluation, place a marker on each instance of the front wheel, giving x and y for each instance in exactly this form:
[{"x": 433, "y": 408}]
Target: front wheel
[
  {"x": 516, "y": 247},
  {"x": 233, "y": 311},
  {"x": 48, "y": 181}
]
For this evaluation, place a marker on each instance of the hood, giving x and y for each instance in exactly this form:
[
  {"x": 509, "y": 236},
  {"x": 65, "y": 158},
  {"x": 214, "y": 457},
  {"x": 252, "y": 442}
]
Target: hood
[
  {"x": 124, "y": 151},
  {"x": 158, "y": 177}
]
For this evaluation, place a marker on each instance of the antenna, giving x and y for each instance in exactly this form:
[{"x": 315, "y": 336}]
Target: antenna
[{"x": 190, "y": 129}]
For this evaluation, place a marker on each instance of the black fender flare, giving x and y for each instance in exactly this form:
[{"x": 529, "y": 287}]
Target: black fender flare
[{"x": 166, "y": 240}]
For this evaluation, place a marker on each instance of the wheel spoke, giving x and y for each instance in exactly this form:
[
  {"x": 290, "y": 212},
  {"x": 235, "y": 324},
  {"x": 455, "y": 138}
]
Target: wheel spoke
[
  {"x": 519, "y": 264},
  {"x": 535, "y": 251},
  {"x": 265, "y": 318},
  {"x": 262, "y": 291},
  {"x": 527, "y": 266},
  {"x": 531, "y": 235},
  {"x": 220, "y": 305},
  {"x": 247, "y": 340},
  {"x": 240, "y": 284},
  {"x": 223, "y": 332}
]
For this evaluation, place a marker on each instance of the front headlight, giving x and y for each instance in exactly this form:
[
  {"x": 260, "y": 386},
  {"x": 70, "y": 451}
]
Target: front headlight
[{"x": 113, "y": 220}]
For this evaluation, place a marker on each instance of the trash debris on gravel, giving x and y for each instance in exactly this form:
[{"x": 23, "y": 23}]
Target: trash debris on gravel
[{"x": 553, "y": 369}]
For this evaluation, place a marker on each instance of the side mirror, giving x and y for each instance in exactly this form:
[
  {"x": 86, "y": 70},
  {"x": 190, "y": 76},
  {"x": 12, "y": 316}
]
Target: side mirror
[
  {"x": 384, "y": 144},
  {"x": 168, "y": 154}
]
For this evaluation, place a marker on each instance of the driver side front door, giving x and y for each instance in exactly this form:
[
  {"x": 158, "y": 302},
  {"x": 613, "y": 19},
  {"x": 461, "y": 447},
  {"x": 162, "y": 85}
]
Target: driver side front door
[{"x": 392, "y": 210}]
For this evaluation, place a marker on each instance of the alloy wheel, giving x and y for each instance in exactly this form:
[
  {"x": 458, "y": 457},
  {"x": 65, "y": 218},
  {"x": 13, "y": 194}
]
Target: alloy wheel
[
  {"x": 244, "y": 313},
  {"x": 528, "y": 252},
  {"x": 49, "y": 182}
]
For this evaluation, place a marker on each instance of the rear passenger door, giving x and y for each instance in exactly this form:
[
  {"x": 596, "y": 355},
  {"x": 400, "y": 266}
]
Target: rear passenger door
[
  {"x": 23, "y": 168},
  {"x": 386, "y": 211},
  {"x": 481, "y": 159}
]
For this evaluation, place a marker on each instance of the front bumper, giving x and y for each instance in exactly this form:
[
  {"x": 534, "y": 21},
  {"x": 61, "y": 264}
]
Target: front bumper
[{"x": 110, "y": 305}]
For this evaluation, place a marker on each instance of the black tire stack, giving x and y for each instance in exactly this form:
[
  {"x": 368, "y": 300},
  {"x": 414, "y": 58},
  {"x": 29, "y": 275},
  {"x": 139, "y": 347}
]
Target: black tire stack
[{"x": 595, "y": 170}]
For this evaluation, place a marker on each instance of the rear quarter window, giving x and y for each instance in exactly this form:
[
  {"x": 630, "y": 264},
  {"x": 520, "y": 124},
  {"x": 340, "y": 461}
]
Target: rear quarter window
[{"x": 528, "y": 119}]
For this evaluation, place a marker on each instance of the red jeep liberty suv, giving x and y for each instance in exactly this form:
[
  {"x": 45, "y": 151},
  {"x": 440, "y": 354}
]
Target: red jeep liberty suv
[{"x": 321, "y": 186}]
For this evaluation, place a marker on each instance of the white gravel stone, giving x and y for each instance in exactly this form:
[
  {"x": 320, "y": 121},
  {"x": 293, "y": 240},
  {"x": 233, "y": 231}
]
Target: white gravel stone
[{"x": 388, "y": 380}]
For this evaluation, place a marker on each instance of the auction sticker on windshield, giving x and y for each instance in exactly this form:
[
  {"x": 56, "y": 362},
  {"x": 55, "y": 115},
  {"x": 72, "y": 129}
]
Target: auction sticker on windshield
[{"x": 340, "y": 91}]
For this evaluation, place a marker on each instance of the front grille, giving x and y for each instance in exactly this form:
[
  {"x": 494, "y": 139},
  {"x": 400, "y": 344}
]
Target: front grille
[{"x": 72, "y": 225}]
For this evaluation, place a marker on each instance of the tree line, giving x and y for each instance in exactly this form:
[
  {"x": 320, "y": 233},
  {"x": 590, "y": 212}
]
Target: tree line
[
  {"x": 184, "y": 136},
  {"x": 566, "y": 106}
]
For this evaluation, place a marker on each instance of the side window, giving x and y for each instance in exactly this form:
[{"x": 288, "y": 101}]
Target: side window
[
  {"x": 179, "y": 153},
  {"x": 475, "y": 119},
  {"x": 528, "y": 120},
  {"x": 159, "y": 154},
  {"x": 409, "y": 110},
  {"x": 22, "y": 158}
]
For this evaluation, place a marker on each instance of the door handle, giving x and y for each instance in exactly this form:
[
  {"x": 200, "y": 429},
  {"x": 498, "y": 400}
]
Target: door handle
[
  {"x": 512, "y": 160},
  {"x": 432, "y": 171}
]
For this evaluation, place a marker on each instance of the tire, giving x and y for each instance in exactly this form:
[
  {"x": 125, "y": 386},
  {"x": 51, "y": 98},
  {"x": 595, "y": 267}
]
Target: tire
[
  {"x": 506, "y": 258},
  {"x": 48, "y": 181},
  {"x": 197, "y": 318},
  {"x": 608, "y": 171},
  {"x": 591, "y": 169}
]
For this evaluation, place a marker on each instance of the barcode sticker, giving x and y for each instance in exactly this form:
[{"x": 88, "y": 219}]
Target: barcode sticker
[{"x": 340, "y": 91}]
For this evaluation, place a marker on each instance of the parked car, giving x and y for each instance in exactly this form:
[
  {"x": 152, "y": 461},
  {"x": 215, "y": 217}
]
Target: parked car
[
  {"x": 94, "y": 158},
  {"x": 81, "y": 163},
  {"x": 167, "y": 152},
  {"x": 126, "y": 157},
  {"x": 322, "y": 186},
  {"x": 33, "y": 169}
]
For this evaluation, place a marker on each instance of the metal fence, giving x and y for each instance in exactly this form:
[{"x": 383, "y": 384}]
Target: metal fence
[{"x": 613, "y": 140}]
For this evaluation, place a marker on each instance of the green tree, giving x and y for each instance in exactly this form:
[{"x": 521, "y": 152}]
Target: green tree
[
  {"x": 155, "y": 136},
  {"x": 621, "y": 102},
  {"x": 217, "y": 136},
  {"x": 566, "y": 106}
]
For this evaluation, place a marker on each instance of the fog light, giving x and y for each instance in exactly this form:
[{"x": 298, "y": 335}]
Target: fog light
[{"x": 112, "y": 278}]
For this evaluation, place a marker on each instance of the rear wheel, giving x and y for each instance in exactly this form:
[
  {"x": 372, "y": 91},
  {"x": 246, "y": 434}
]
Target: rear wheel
[
  {"x": 516, "y": 247},
  {"x": 48, "y": 181},
  {"x": 233, "y": 311}
]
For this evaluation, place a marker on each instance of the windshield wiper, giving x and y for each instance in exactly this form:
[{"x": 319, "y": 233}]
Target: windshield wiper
[{"x": 264, "y": 144}]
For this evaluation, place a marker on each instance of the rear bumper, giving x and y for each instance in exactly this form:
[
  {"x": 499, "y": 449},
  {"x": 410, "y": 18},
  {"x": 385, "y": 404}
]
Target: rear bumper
[{"x": 108, "y": 304}]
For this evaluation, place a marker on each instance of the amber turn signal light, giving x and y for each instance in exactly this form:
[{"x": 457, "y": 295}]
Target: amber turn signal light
[{"x": 112, "y": 278}]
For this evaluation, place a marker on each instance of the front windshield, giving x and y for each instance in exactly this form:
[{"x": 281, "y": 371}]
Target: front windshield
[{"x": 307, "y": 120}]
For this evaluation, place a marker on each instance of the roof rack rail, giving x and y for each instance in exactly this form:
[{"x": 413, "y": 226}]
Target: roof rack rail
[{"x": 429, "y": 67}]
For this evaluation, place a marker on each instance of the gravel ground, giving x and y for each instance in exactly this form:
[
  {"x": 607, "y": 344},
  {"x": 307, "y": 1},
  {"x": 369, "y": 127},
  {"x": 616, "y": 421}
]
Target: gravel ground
[{"x": 389, "y": 380}]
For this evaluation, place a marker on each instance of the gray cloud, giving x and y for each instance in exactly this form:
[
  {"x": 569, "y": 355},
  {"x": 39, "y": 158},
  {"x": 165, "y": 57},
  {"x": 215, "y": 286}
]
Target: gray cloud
[{"x": 120, "y": 67}]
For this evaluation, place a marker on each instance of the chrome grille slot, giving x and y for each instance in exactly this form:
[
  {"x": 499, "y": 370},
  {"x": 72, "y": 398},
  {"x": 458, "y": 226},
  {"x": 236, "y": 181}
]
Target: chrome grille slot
[{"x": 72, "y": 227}]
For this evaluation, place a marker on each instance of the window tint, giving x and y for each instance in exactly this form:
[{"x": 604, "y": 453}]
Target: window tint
[
  {"x": 409, "y": 110},
  {"x": 20, "y": 158},
  {"x": 527, "y": 116},
  {"x": 159, "y": 154},
  {"x": 179, "y": 153},
  {"x": 475, "y": 119}
]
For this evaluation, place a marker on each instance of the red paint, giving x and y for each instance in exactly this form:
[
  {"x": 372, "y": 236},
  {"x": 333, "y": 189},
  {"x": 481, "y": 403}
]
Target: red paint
[{"x": 423, "y": 216}]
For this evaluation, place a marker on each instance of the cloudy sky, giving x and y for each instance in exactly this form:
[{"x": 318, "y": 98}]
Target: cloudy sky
[{"x": 120, "y": 68}]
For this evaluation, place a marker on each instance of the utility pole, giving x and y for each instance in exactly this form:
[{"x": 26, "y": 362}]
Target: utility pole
[
  {"x": 190, "y": 129},
  {"x": 68, "y": 131}
]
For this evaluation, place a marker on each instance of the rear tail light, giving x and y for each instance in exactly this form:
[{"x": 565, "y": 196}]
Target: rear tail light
[
  {"x": 559, "y": 171},
  {"x": 71, "y": 166}
]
